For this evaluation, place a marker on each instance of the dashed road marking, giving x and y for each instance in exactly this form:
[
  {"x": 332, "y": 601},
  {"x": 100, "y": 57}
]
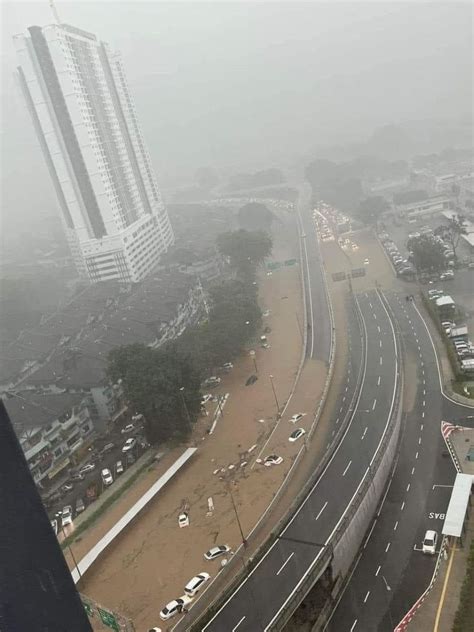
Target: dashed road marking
[
  {"x": 377, "y": 571},
  {"x": 395, "y": 526},
  {"x": 285, "y": 563},
  {"x": 366, "y": 596},
  {"x": 347, "y": 467},
  {"x": 387, "y": 547},
  {"x": 322, "y": 509}
]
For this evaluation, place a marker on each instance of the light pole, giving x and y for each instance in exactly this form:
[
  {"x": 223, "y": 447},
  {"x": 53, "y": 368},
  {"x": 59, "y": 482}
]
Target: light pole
[
  {"x": 388, "y": 589},
  {"x": 68, "y": 546},
  {"x": 299, "y": 326},
  {"x": 275, "y": 395},
  {"x": 181, "y": 391},
  {"x": 243, "y": 538},
  {"x": 252, "y": 354}
]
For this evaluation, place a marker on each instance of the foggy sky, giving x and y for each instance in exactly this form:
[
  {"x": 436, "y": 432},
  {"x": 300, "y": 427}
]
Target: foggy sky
[{"x": 240, "y": 86}]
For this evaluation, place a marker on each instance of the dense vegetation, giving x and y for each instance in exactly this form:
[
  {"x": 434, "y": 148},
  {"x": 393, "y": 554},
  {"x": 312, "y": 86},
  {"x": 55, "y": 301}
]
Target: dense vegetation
[{"x": 164, "y": 384}]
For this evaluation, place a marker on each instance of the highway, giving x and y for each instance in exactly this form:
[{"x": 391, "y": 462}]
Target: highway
[
  {"x": 391, "y": 572},
  {"x": 318, "y": 344},
  {"x": 257, "y": 602}
]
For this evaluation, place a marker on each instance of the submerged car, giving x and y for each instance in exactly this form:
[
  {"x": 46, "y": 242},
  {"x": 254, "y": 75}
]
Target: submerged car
[
  {"x": 273, "y": 459},
  {"x": 172, "y": 608},
  {"x": 217, "y": 551},
  {"x": 296, "y": 434},
  {"x": 195, "y": 584}
]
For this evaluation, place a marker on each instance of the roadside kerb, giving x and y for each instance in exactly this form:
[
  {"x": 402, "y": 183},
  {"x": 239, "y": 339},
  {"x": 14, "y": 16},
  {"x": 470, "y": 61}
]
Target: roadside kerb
[{"x": 211, "y": 608}]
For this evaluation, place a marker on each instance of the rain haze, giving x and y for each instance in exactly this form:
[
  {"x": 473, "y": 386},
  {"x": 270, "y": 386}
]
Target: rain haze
[
  {"x": 241, "y": 86},
  {"x": 236, "y": 316}
]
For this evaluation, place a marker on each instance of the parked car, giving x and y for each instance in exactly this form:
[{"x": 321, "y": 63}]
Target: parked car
[
  {"x": 429, "y": 542},
  {"x": 66, "y": 516},
  {"x": 296, "y": 434},
  {"x": 77, "y": 476},
  {"x": 119, "y": 468},
  {"x": 107, "y": 477},
  {"x": 196, "y": 583},
  {"x": 80, "y": 506},
  {"x": 128, "y": 428},
  {"x": 212, "y": 381},
  {"x": 228, "y": 366},
  {"x": 54, "y": 524},
  {"x": 129, "y": 445},
  {"x": 273, "y": 459},
  {"x": 108, "y": 447},
  {"x": 296, "y": 418},
  {"x": 217, "y": 551},
  {"x": 172, "y": 608},
  {"x": 67, "y": 487},
  {"x": 251, "y": 380},
  {"x": 206, "y": 398},
  {"x": 85, "y": 469}
]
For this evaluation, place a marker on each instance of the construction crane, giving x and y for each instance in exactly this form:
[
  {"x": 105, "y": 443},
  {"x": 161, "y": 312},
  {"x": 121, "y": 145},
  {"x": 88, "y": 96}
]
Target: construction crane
[{"x": 54, "y": 11}]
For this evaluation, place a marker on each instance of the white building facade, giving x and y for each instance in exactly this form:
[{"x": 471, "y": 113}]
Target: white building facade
[{"x": 76, "y": 91}]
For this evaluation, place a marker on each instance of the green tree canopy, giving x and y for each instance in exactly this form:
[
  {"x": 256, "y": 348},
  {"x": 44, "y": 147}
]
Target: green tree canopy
[
  {"x": 245, "y": 248},
  {"x": 255, "y": 216},
  {"x": 152, "y": 379},
  {"x": 370, "y": 209},
  {"x": 428, "y": 254},
  {"x": 452, "y": 231}
]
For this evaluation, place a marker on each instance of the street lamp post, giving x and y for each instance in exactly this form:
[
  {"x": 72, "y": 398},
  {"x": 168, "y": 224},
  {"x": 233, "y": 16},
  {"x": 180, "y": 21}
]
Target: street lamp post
[
  {"x": 387, "y": 589},
  {"x": 243, "y": 538},
  {"x": 275, "y": 395},
  {"x": 181, "y": 391},
  {"x": 68, "y": 546},
  {"x": 252, "y": 354}
]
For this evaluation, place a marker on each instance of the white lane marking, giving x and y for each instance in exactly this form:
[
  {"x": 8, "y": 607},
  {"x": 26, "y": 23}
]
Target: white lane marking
[
  {"x": 416, "y": 455},
  {"x": 423, "y": 414},
  {"x": 424, "y": 403},
  {"x": 347, "y": 467},
  {"x": 367, "y": 596},
  {"x": 377, "y": 571},
  {"x": 387, "y": 547},
  {"x": 421, "y": 427},
  {"x": 403, "y": 506},
  {"x": 374, "y": 404},
  {"x": 235, "y": 628},
  {"x": 408, "y": 487},
  {"x": 322, "y": 509},
  {"x": 395, "y": 526},
  {"x": 344, "y": 398},
  {"x": 378, "y": 328},
  {"x": 419, "y": 440},
  {"x": 424, "y": 392},
  {"x": 378, "y": 381},
  {"x": 353, "y": 626},
  {"x": 370, "y": 305},
  {"x": 337, "y": 420},
  {"x": 285, "y": 562},
  {"x": 412, "y": 471},
  {"x": 381, "y": 360},
  {"x": 375, "y": 316},
  {"x": 365, "y": 432},
  {"x": 370, "y": 533},
  {"x": 380, "y": 343},
  {"x": 347, "y": 388}
]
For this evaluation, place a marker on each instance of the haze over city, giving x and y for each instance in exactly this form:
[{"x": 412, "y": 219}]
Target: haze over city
[{"x": 236, "y": 316}]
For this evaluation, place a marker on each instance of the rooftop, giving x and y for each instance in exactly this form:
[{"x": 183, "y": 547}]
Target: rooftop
[{"x": 32, "y": 410}]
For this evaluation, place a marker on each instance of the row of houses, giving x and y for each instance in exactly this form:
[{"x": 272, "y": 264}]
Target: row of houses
[{"x": 53, "y": 378}]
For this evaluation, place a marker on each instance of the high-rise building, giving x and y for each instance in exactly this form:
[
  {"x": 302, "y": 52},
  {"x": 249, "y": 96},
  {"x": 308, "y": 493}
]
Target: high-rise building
[{"x": 77, "y": 94}]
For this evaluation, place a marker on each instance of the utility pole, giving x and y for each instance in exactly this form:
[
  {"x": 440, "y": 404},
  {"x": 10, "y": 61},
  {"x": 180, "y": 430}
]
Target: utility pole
[
  {"x": 275, "y": 396},
  {"x": 54, "y": 11}
]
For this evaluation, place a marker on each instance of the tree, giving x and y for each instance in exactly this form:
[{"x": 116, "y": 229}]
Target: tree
[
  {"x": 255, "y": 216},
  {"x": 152, "y": 379},
  {"x": 452, "y": 231},
  {"x": 370, "y": 209},
  {"x": 245, "y": 248},
  {"x": 428, "y": 254}
]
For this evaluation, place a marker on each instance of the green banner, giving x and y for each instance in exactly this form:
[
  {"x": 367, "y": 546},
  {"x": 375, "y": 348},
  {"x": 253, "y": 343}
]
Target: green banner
[{"x": 108, "y": 619}]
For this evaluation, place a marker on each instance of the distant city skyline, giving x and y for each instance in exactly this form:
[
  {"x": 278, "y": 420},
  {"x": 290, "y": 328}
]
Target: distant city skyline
[{"x": 76, "y": 91}]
